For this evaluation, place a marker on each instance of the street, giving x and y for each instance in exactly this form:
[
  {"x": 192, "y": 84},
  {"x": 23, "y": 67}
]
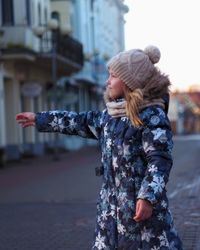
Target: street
[{"x": 51, "y": 205}]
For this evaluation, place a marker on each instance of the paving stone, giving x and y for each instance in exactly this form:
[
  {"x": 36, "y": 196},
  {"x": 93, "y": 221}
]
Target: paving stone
[{"x": 41, "y": 209}]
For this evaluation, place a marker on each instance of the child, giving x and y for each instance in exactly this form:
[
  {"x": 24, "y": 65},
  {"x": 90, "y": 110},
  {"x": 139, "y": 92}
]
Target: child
[{"x": 136, "y": 143}]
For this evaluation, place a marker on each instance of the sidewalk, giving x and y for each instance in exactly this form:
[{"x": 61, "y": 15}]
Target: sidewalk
[
  {"x": 49, "y": 205},
  {"x": 65, "y": 214},
  {"x": 184, "y": 190}
]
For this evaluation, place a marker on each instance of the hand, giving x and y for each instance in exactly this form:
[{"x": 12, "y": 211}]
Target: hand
[
  {"x": 144, "y": 210},
  {"x": 26, "y": 119}
]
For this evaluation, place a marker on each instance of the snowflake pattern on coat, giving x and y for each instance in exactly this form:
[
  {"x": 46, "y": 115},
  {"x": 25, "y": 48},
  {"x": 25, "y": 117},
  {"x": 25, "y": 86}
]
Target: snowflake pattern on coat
[{"x": 136, "y": 162}]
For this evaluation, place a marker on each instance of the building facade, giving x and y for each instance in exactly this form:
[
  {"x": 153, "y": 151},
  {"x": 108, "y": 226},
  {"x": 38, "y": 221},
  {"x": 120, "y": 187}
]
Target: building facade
[
  {"x": 184, "y": 112},
  {"x": 102, "y": 37},
  {"x": 53, "y": 55},
  {"x": 33, "y": 56}
]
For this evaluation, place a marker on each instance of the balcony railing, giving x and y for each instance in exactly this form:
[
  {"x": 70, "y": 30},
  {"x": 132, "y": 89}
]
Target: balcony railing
[
  {"x": 66, "y": 46},
  {"x": 19, "y": 40}
]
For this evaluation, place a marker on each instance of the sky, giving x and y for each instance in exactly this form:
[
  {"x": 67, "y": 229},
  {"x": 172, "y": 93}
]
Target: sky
[{"x": 174, "y": 27}]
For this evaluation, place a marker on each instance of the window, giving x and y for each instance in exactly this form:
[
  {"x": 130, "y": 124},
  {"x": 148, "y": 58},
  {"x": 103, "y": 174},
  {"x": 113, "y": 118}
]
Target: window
[
  {"x": 92, "y": 5},
  {"x": 7, "y": 12},
  {"x": 28, "y": 14},
  {"x": 45, "y": 16},
  {"x": 39, "y": 15},
  {"x": 55, "y": 15}
]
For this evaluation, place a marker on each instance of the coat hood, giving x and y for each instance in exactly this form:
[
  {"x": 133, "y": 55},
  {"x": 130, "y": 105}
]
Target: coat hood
[{"x": 166, "y": 99}]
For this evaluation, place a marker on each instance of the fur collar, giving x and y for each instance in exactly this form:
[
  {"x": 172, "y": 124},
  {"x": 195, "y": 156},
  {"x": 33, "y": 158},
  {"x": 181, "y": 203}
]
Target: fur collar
[{"x": 118, "y": 108}]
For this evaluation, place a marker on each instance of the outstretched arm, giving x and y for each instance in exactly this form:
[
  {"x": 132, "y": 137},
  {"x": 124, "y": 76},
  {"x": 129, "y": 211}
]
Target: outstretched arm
[{"x": 85, "y": 124}]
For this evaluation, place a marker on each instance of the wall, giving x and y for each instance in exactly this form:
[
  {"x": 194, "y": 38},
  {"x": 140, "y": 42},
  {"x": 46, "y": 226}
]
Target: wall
[
  {"x": 64, "y": 9},
  {"x": 2, "y": 110}
]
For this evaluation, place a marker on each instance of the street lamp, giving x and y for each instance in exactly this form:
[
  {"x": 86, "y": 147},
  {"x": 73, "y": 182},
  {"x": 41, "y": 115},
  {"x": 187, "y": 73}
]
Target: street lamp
[
  {"x": 39, "y": 31},
  {"x": 53, "y": 26}
]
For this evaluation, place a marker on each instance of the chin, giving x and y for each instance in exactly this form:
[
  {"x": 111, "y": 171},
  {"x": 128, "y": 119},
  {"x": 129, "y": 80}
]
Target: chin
[{"x": 107, "y": 96}]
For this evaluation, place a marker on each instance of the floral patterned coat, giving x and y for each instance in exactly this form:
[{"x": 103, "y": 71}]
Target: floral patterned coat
[{"x": 136, "y": 165}]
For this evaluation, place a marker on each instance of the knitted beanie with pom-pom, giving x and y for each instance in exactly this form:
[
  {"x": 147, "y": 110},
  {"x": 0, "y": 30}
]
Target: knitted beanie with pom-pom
[{"x": 134, "y": 67}]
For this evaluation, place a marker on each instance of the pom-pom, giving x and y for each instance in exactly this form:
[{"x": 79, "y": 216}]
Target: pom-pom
[{"x": 153, "y": 53}]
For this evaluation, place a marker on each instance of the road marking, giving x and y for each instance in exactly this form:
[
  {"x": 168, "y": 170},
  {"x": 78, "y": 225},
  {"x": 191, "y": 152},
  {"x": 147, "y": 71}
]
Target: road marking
[
  {"x": 195, "y": 184},
  {"x": 187, "y": 137}
]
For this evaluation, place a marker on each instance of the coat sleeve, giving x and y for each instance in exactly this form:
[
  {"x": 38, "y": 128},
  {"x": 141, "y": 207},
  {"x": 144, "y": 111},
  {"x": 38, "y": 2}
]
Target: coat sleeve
[
  {"x": 84, "y": 124},
  {"x": 157, "y": 144}
]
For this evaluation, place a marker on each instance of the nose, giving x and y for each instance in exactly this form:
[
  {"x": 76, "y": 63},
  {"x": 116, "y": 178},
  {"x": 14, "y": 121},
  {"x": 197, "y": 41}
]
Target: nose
[{"x": 107, "y": 82}]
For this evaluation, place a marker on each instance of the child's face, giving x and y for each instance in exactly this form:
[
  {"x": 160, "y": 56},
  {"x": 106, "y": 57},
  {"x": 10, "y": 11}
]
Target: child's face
[{"x": 115, "y": 86}]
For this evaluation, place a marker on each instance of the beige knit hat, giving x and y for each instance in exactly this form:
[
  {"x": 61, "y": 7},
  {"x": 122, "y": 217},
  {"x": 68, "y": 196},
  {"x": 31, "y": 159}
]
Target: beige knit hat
[{"x": 135, "y": 66}]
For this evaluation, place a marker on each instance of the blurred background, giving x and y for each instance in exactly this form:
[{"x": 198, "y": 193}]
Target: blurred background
[{"x": 53, "y": 55}]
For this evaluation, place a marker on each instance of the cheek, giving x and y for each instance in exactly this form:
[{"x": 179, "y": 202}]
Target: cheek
[
  {"x": 118, "y": 89},
  {"x": 121, "y": 88}
]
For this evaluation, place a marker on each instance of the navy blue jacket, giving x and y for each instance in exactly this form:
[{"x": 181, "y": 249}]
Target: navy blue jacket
[{"x": 136, "y": 162}]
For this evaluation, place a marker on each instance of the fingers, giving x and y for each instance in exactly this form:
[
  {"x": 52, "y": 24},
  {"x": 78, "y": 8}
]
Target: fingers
[
  {"x": 19, "y": 116},
  {"x": 137, "y": 208},
  {"x": 28, "y": 124},
  {"x": 25, "y": 124},
  {"x": 138, "y": 214},
  {"x": 21, "y": 121},
  {"x": 26, "y": 119},
  {"x": 143, "y": 210},
  {"x": 25, "y": 116},
  {"x": 142, "y": 215}
]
